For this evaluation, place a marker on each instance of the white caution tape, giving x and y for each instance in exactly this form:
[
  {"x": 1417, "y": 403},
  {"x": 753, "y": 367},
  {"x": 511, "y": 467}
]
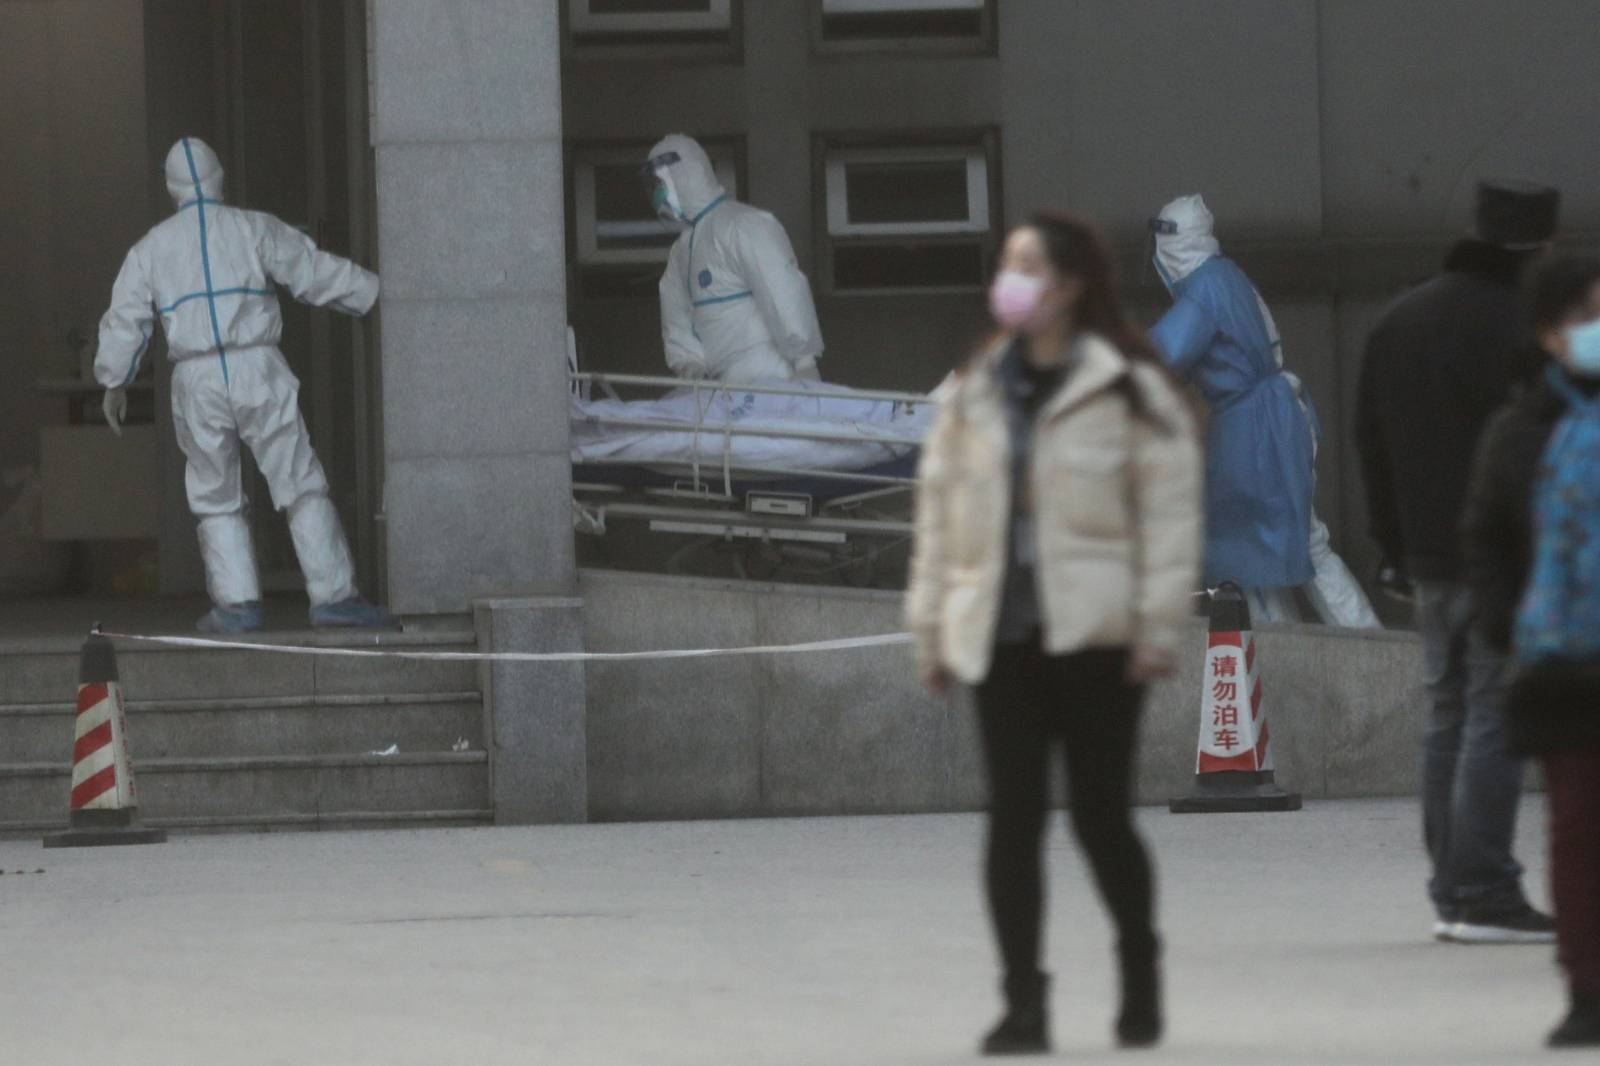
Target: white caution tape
[{"x": 842, "y": 644}]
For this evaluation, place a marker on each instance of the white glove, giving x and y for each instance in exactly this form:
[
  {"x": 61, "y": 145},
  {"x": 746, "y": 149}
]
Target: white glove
[
  {"x": 692, "y": 370},
  {"x": 115, "y": 406},
  {"x": 806, "y": 370}
]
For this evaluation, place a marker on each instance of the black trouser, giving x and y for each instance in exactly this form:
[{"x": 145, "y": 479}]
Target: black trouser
[{"x": 1029, "y": 702}]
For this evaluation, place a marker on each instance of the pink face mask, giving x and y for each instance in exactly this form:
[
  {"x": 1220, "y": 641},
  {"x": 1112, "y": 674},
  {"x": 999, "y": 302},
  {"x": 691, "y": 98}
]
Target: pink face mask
[{"x": 1014, "y": 299}]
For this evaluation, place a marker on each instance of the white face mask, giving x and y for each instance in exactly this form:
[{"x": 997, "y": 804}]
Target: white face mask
[
  {"x": 1161, "y": 271},
  {"x": 1583, "y": 348}
]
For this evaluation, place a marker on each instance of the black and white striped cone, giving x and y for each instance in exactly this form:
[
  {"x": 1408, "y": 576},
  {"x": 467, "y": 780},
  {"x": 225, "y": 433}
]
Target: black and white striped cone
[
  {"x": 104, "y": 804},
  {"x": 1233, "y": 763}
]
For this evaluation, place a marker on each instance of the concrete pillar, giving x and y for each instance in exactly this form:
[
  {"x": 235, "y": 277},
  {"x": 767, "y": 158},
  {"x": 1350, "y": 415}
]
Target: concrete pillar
[
  {"x": 538, "y": 736},
  {"x": 467, "y": 128}
]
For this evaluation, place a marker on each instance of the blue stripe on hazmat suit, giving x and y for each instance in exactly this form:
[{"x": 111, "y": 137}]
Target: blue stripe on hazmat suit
[{"x": 1260, "y": 449}]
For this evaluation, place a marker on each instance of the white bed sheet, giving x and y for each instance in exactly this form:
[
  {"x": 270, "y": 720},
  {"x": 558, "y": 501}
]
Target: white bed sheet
[{"x": 826, "y": 408}]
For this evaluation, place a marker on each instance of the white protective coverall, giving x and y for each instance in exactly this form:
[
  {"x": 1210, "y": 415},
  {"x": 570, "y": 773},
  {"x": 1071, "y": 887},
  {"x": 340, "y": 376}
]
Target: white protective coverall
[
  {"x": 207, "y": 272},
  {"x": 1333, "y": 590},
  {"x": 734, "y": 303}
]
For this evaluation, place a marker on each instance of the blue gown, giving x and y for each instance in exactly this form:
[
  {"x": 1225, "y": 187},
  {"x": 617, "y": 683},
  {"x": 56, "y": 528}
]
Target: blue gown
[{"x": 1260, "y": 445}]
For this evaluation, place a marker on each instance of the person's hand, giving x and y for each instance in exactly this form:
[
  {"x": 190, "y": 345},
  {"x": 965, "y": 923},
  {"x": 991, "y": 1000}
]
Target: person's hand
[
  {"x": 115, "y": 407},
  {"x": 807, "y": 371},
  {"x": 692, "y": 370},
  {"x": 1147, "y": 663},
  {"x": 935, "y": 677}
]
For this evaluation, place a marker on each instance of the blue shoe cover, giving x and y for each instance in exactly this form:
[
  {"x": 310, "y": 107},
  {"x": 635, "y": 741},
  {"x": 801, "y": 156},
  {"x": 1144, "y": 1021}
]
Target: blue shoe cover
[
  {"x": 231, "y": 618},
  {"x": 354, "y": 613}
]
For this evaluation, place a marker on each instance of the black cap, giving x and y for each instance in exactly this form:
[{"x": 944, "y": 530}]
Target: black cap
[
  {"x": 1516, "y": 215},
  {"x": 1229, "y": 611},
  {"x": 98, "y": 662}
]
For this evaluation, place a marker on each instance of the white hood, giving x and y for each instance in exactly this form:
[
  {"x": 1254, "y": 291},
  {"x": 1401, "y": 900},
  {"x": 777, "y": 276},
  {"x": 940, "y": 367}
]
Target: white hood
[
  {"x": 193, "y": 170},
  {"x": 1180, "y": 254},
  {"x": 692, "y": 184}
]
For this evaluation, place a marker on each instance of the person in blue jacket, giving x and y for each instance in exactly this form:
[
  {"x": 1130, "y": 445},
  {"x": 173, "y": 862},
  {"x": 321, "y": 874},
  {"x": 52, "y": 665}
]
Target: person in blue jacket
[{"x": 1261, "y": 533}]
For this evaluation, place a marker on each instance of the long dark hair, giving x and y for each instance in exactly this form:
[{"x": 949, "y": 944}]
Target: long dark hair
[
  {"x": 1076, "y": 249},
  {"x": 1558, "y": 286}
]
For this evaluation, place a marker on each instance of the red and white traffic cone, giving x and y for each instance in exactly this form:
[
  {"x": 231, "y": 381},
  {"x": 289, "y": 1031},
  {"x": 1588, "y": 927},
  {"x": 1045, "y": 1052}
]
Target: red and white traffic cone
[
  {"x": 1233, "y": 765},
  {"x": 105, "y": 806}
]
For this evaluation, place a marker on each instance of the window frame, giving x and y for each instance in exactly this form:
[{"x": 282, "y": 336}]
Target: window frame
[
  {"x": 645, "y": 43},
  {"x": 836, "y": 190},
  {"x": 981, "y": 145},
  {"x": 718, "y": 18},
  {"x": 985, "y": 43}
]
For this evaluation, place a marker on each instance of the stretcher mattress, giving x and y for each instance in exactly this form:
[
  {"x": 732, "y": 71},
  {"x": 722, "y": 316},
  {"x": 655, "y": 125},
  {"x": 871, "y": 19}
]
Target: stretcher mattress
[{"x": 829, "y": 409}]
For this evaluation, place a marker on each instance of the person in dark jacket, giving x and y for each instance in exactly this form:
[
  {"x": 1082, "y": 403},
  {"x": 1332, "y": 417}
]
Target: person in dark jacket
[
  {"x": 1437, "y": 366},
  {"x": 1554, "y": 709}
]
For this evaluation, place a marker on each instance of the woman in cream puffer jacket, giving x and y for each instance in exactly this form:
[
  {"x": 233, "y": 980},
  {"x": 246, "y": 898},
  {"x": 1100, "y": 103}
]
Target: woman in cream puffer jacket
[
  {"x": 1058, "y": 539},
  {"x": 1117, "y": 498}
]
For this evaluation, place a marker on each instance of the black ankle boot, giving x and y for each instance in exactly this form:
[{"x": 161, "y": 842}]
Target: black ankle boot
[
  {"x": 1139, "y": 1022},
  {"x": 1581, "y": 1027},
  {"x": 1025, "y": 1027}
]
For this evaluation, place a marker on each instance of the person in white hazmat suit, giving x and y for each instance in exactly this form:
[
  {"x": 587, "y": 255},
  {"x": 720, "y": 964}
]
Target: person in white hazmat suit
[
  {"x": 735, "y": 306},
  {"x": 207, "y": 273},
  {"x": 1221, "y": 336}
]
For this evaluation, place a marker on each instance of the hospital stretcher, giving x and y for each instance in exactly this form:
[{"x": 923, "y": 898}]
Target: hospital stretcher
[{"x": 785, "y": 481}]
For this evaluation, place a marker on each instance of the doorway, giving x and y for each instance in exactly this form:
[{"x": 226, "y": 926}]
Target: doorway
[{"x": 280, "y": 90}]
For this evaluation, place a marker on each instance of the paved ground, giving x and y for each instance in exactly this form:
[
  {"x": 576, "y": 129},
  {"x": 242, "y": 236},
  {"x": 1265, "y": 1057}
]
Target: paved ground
[{"x": 1294, "y": 938}]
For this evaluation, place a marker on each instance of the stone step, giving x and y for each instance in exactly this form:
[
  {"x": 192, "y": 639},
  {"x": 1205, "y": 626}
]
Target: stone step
[
  {"x": 257, "y": 790},
  {"x": 263, "y": 725},
  {"x": 46, "y": 671},
  {"x": 326, "y": 821}
]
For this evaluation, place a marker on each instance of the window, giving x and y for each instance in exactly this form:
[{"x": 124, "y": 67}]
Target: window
[
  {"x": 905, "y": 216},
  {"x": 904, "y": 25},
  {"x": 624, "y": 26},
  {"x": 907, "y": 191},
  {"x": 618, "y": 243}
]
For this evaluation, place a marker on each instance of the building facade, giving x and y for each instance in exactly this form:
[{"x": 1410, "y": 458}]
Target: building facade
[{"x": 478, "y": 152}]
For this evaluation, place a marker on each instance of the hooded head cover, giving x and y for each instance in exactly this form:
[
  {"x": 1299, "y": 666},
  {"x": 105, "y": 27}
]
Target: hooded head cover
[
  {"x": 193, "y": 170},
  {"x": 690, "y": 181},
  {"x": 1180, "y": 253}
]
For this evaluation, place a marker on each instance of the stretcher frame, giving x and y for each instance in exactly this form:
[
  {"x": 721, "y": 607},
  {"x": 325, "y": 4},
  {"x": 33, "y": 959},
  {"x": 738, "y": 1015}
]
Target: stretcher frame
[{"x": 846, "y": 533}]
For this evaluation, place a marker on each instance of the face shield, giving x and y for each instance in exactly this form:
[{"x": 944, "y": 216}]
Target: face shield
[
  {"x": 1158, "y": 227},
  {"x": 658, "y": 187}
]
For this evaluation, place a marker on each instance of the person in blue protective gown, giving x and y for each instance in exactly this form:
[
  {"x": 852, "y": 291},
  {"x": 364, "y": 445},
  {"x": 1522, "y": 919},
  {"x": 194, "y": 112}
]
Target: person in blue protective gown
[
  {"x": 735, "y": 306},
  {"x": 1261, "y": 531}
]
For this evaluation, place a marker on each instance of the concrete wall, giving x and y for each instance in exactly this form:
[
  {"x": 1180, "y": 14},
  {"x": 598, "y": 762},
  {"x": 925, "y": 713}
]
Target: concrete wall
[
  {"x": 1421, "y": 98},
  {"x": 1338, "y": 141},
  {"x": 73, "y": 181},
  {"x": 851, "y": 732}
]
